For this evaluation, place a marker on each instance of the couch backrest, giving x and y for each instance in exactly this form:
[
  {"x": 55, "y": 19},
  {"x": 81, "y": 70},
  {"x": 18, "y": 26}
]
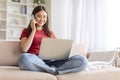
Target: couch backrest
[
  {"x": 78, "y": 49},
  {"x": 9, "y": 52}
]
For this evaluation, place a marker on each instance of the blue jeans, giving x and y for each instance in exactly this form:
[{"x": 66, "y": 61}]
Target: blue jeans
[{"x": 32, "y": 62}]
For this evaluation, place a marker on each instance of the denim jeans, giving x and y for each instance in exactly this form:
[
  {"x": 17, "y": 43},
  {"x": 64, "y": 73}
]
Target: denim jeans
[{"x": 32, "y": 62}]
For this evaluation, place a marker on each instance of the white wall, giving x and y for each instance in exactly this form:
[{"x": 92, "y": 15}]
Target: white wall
[
  {"x": 113, "y": 24},
  {"x": 58, "y": 17},
  {"x": 48, "y": 8}
]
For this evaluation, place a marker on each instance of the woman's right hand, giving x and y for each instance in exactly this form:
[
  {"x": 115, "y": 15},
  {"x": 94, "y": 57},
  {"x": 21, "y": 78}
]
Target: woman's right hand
[{"x": 33, "y": 24}]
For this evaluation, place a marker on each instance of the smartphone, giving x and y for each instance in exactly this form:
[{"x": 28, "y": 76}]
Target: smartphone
[{"x": 32, "y": 17}]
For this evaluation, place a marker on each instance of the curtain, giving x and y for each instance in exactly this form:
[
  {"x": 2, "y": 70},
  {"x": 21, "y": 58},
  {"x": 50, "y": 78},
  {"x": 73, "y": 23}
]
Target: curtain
[
  {"x": 113, "y": 24},
  {"x": 83, "y": 21}
]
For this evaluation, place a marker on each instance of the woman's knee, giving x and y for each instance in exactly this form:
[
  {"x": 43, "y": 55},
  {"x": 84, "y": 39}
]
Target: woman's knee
[
  {"x": 26, "y": 57},
  {"x": 82, "y": 60},
  {"x": 81, "y": 57},
  {"x": 23, "y": 57},
  {"x": 23, "y": 60}
]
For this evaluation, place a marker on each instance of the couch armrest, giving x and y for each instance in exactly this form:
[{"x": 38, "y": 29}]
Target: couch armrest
[
  {"x": 78, "y": 49},
  {"x": 9, "y": 52},
  {"x": 106, "y": 55}
]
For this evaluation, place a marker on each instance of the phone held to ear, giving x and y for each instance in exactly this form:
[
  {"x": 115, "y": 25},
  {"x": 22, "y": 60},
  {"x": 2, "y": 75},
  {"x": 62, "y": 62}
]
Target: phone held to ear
[{"x": 32, "y": 17}]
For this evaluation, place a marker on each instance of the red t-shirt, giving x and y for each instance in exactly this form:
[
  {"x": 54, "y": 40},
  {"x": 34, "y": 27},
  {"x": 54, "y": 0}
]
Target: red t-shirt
[{"x": 35, "y": 46}]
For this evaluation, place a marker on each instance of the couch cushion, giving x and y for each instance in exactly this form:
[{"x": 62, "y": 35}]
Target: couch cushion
[
  {"x": 78, "y": 49},
  {"x": 101, "y": 74},
  {"x": 102, "y": 55},
  {"x": 14, "y": 73},
  {"x": 9, "y": 52}
]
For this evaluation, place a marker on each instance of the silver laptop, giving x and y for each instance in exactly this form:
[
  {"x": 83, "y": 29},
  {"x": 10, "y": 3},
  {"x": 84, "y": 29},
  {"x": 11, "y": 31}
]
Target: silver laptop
[{"x": 55, "y": 49}]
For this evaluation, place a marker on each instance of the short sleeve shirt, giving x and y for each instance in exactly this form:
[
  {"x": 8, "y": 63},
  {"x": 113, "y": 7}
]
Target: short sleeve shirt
[{"x": 35, "y": 46}]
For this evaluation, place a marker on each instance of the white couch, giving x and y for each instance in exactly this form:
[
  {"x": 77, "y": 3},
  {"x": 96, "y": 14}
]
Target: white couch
[{"x": 10, "y": 52}]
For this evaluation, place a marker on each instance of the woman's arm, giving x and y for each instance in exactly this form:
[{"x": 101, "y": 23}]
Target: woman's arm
[{"x": 27, "y": 41}]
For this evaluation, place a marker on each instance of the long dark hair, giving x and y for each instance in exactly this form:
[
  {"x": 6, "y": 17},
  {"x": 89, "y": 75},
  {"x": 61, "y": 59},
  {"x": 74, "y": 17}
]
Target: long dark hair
[{"x": 45, "y": 26}]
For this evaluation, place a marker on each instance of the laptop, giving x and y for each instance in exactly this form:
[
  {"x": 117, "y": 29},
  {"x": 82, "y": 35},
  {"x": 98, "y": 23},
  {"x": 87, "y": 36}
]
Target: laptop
[{"x": 55, "y": 49}]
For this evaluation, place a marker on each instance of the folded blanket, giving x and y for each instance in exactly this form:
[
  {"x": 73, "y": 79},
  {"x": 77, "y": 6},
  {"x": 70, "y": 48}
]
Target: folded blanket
[{"x": 98, "y": 65}]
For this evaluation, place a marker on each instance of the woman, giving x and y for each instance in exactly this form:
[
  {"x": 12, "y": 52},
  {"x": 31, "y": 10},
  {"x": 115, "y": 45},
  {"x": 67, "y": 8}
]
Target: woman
[{"x": 30, "y": 45}]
